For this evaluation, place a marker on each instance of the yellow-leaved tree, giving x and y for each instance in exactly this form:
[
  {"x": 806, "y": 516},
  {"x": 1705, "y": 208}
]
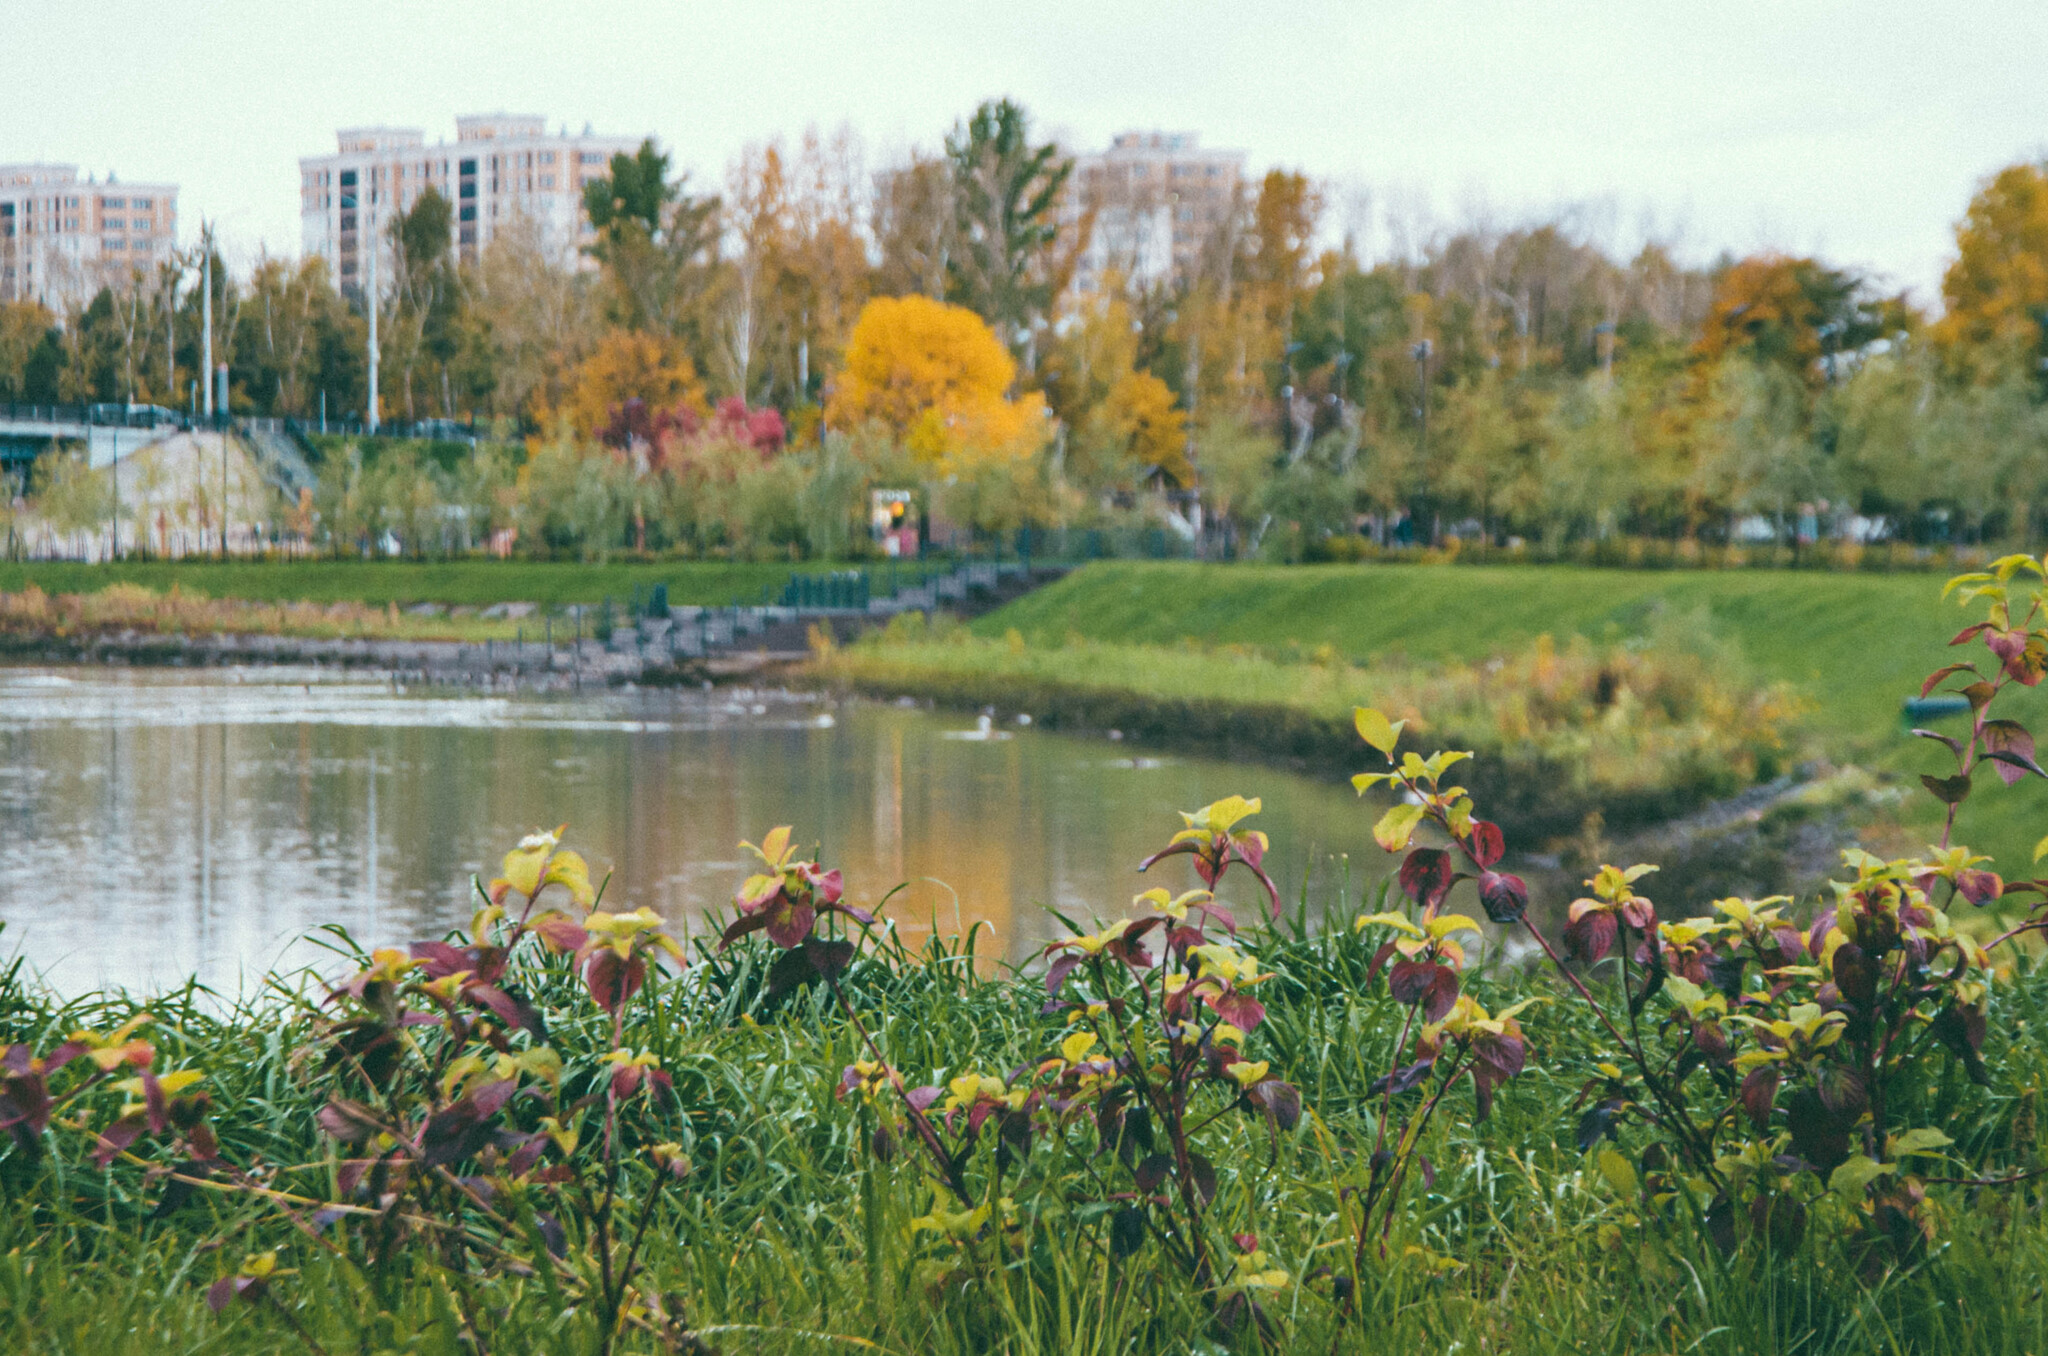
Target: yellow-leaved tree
[
  {"x": 1998, "y": 285},
  {"x": 937, "y": 378},
  {"x": 1122, "y": 420}
]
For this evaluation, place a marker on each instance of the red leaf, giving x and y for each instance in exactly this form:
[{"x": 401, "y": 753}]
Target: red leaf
[
  {"x": 1240, "y": 1010},
  {"x": 1056, "y": 974},
  {"x": 561, "y": 935},
  {"x": 1486, "y": 844},
  {"x": 1759, "y": 1091},
  {"x": 1504, "y": 897},
  {"x": 789, "y": 922},
  {"x": 1592, "y": 937},
  {"x": 1410, "y": 980},
  {"x": 1426, "y": 875},
  {"x": 1442, "y": 995},
  {"x": 116, "y": 1138},
  {"x": 1934, "y": 678},
  {"x": 611, "y": 981},
  {"x": 1979, "y": 887},
  {"x": 1969, "y": 631}
]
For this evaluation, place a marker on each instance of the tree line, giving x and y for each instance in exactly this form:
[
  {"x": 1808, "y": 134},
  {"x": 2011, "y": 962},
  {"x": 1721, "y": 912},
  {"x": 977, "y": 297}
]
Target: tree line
[{"x": 731, "y": 368}]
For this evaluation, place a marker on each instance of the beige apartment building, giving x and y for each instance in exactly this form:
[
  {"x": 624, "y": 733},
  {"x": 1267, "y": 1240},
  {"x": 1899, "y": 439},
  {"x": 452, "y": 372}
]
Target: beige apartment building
[
  {"x": 61, "y": 240},
  {"x": 501, "y": 168},
  {"x": 1158, "y": 199}
]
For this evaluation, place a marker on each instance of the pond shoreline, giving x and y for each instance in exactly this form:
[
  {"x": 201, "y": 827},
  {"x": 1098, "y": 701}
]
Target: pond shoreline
[{"x": 1535, "y": 798}]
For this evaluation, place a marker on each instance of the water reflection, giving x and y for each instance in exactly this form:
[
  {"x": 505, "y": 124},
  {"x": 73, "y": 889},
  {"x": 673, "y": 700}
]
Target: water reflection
[{"x": 160, "y": 824}]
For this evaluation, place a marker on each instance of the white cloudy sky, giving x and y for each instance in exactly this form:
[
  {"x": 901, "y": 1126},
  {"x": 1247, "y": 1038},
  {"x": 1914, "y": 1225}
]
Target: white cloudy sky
[{"x": 1854, "y": 128}]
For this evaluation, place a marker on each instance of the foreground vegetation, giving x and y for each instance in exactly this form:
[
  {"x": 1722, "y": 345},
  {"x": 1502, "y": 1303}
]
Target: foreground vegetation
[{"x": 1207, "y": 1126}]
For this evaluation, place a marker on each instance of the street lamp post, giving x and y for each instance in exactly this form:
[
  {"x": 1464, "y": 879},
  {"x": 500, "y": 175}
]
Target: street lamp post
[{"x": 1421, "y": 352}]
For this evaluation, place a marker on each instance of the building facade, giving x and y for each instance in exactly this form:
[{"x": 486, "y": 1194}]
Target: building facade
[
  {"x": 61, "y": 240},
  {"x": 501, "y": 168},
  {"x": 1158, "y": 199}
]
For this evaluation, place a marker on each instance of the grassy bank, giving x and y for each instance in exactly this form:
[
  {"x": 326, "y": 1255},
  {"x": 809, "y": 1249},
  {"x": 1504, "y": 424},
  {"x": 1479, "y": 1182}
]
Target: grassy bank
[
  {"x": 1638, "y": 735},
  {"x": 471, "y": 583},
  {"x": 1851, "y": 646}
]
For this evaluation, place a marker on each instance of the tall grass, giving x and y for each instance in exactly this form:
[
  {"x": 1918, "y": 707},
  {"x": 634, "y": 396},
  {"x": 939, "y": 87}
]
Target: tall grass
[{"x": 790, "y": 1237}]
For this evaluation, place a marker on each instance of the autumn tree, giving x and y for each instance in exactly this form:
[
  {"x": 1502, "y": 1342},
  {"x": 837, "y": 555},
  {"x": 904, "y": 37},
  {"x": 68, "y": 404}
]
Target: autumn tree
[
  {"x": 527, "y": 320},
  {"x": 1793, "y": 313},
  {"x": 626, "y": 365},
  {"x": 1122, "y": 422},
  {"x": 797, "y": 270},
  {"x": 937, "y": 378},
  {"x": 30, "y": 353},
  {"x": 1997, "y": 287},
  {"x": 914, "y": 227}
]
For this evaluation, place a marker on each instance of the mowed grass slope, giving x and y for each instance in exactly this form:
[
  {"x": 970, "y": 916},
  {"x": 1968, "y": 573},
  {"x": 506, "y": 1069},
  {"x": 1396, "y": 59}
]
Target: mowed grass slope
[{"x": 1853, "y": 645}]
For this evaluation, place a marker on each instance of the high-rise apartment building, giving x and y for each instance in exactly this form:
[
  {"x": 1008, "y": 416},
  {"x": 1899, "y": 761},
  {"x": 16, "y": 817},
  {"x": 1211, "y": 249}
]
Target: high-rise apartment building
[
  {"x": 60, "y": 239},
  {"x": 500, "y": 168},
  {"x": 1158, "y": 198}
]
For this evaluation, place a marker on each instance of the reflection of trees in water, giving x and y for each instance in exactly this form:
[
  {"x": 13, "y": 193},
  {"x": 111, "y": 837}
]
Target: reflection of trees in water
[{"x": 182, "y": 845}]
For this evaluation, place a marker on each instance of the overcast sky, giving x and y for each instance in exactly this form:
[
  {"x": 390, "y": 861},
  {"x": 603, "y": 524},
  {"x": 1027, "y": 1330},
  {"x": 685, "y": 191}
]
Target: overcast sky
[{"x": 1854, "y": 130}]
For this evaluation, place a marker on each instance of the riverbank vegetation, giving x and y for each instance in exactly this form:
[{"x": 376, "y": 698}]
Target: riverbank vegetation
[
  {"x": 375, "y": 583},
  {"x": 1218, "y": 1121},
  {"x": 1636, "y": 734}
]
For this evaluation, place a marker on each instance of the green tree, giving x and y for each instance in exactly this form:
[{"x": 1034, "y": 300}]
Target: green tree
[
  {"x": 658, "y": 245},
  {"x": 1006, "y": 194}
]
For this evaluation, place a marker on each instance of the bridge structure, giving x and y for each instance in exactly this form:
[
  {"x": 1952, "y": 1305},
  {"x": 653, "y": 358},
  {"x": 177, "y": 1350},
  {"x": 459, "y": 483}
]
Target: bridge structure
[{"x": 107, "y": 432}]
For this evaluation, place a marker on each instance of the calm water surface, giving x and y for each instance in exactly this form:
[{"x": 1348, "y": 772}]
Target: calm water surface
[{"x": 155, "y": 825}]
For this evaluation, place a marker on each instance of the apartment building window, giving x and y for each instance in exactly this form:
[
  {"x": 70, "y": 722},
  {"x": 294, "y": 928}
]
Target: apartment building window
[
  {"x": 468, "y": 211},
  {"x": 590, "y": 157},
  {"x": 468, "y": 189},
  {"x": 113, "y": 224},
  {"x": 547, "y": 157},
  {"x": 547, "y": 181}
]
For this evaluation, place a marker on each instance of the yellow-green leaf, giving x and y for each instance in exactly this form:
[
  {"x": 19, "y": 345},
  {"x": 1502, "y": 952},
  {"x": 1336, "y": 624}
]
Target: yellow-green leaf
[
  {"x": 572, "y": 873},
  {"x": 1857, "y": 1173},
  {"x": 1397, "y": 826},
  {"x": 1920, "y": 1141},
  {"x": 1389, "y": 920},
  {"x": 1375, "y": 729},
  {"x": 1619, "y": 1172}
]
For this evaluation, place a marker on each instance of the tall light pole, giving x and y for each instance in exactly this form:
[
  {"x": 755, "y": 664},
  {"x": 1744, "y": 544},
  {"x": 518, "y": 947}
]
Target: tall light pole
[
  {"x": 206, "y": 317},
  {"x": 369, "y": 236}
]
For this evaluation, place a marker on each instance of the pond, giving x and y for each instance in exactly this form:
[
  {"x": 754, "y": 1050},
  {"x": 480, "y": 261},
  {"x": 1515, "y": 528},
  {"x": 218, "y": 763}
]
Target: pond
[{"x": 158, "y": 824}]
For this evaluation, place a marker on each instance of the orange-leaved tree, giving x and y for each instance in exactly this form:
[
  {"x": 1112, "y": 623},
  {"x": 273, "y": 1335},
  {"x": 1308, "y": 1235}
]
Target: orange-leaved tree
[
  {"x": 936, "y": 377},
  {"x": 626, "y": 365},
  {"x": 1997, "y": 287},
  {"x": 1793, "y": 312}
]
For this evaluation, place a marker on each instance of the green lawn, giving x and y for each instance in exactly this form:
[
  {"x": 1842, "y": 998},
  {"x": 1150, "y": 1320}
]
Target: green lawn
[
  {"x": 1855, "y": 645},
  {"x": 473, "y": 582}
]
